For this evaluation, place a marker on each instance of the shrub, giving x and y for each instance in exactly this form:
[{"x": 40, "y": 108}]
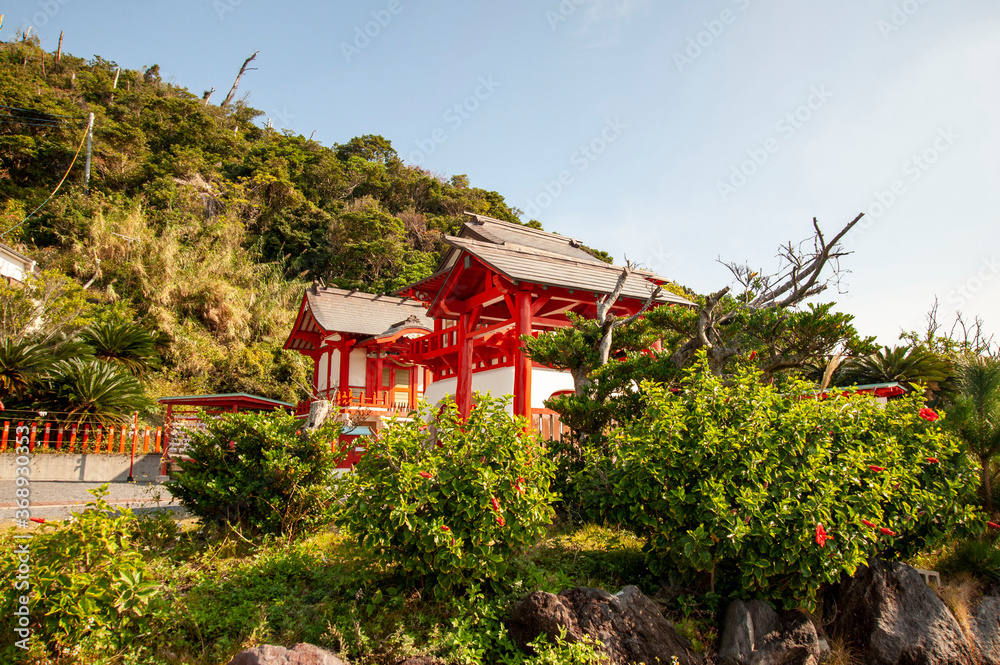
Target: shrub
[
  {"x": 766, "y": 493},
  {"x": 258, "y": 471},
  {"x": 91, "y": 597},
  {"x": 450, "y": 501}
]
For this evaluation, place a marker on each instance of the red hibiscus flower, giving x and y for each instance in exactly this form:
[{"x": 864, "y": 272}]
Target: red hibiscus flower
[
  {"x": 993, "y": 525},
  {"x": 868, "y": 524},
  {"x": 887, "y": 532},
  {"x": 822, "y": 536},
  {"x": 928, "y": 414},
  {"x": 501, "y": 521},
  {"x": 37, "y": 519},
  {"x": 933, "y": 460},
  {"x": 876, "y": 469},
  {"x": 753, "y": 355},
  {"x": 494, "y": 503},
  {"x": 424, "y": 474},
  {"x": 444, "y": 528}
]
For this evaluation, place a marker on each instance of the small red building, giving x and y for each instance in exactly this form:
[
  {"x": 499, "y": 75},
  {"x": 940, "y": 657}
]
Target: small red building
[{"x": 458, "y": 331}]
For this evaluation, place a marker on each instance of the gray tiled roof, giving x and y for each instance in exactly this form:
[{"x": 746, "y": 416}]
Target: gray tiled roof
[
  {"x": 498, "y": 232},
  {"x": 554, "y": 269},
  {"x": 363, "y": 313}
]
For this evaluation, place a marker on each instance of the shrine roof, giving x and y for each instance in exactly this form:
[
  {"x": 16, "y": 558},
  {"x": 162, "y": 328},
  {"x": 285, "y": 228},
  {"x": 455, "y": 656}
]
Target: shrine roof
[
  {"x": 329, "y": 310},
  {"x": 499, "y": 232},
  {"x": 525, "y": 264}
]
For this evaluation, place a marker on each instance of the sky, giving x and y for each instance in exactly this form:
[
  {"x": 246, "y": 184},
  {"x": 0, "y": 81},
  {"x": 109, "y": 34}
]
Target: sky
[{"x": 672, "y": 134}]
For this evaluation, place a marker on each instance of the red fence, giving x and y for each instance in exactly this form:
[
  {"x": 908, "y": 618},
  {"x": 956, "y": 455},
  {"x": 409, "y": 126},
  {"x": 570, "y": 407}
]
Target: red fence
[{"x": 59, "y": 437}]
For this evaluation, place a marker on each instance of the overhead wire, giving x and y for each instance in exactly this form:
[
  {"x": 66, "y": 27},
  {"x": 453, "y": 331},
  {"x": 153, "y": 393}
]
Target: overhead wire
[
  {"x": 56, "y": 115},
  {"x": 66, "y": 175}
]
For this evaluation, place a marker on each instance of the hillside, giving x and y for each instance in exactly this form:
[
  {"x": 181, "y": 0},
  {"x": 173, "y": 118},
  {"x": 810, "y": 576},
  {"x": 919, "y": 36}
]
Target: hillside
[{"x": 201, "y": 225}]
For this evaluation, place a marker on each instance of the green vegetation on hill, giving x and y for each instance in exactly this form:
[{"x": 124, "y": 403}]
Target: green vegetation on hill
[{"x": 201, "y": 226}]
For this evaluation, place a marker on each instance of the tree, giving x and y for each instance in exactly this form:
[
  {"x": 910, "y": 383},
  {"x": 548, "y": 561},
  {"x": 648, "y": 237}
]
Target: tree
[
  {"x": 23, "y": 365},
  {"x": 975, "y": 416},
  {"x": 370, "y": 147},
  {"x": 90, "y": 391},
  {"x": 122, "y": 343},
  {"x": 903, "y": 364}
]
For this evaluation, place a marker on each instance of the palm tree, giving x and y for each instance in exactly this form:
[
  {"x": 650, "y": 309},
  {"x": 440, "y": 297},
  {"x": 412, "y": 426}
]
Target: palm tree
[
  {"x": 122, "y": 343},
  {"x": 91, "y": 391},
  {"x": 904, "y": 364},
  {"x": 22, "y": 365},
  {"x": 975, "y": 416}
]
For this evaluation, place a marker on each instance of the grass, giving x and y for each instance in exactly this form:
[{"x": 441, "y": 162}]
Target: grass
[{"x": 224, "y": 594}]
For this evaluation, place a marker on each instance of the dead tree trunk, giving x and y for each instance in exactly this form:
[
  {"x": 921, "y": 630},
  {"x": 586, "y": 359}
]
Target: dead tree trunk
[
  {"x": 208, "y": 95},
  {"x": 236, "y": 83},
  {"x": 59, "y": 50}
]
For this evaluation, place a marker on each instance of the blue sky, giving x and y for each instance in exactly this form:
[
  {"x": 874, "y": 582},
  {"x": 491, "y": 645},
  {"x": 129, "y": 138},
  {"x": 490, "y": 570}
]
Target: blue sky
[{"x": 673, "y": 133}]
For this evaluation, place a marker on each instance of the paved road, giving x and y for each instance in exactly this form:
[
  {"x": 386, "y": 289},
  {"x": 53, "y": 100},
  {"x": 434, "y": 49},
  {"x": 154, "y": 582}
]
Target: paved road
[{"x": 57, "y": 499}]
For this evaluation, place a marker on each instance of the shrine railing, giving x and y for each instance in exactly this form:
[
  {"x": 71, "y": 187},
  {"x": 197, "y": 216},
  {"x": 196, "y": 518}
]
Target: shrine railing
[
  {"x": 55, "y": 437},
  {"x": 381, "y": 401}
]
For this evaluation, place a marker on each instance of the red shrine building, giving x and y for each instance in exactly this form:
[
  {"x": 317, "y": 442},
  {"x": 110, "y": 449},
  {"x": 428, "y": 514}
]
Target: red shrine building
[{"x": 458, "y": 331}]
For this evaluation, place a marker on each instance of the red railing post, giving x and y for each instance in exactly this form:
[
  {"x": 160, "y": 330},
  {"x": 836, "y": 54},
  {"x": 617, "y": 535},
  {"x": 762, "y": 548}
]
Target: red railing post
[
  {"x": 145, "y": 441},
  {"x": 72, "y": 438},
  {"x": 6, "y": 432},
  {"x": 45, "y": 440},
  {"x": 31, "y": 441},
  {"x": 59, "y": 437},
  {"x": 97, "y": 439},
  {"x": 158, "y": 446}
]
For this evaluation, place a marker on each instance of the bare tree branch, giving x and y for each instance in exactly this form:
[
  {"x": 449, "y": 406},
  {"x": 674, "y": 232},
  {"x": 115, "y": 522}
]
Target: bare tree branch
[{"x": 236, "y": 83}]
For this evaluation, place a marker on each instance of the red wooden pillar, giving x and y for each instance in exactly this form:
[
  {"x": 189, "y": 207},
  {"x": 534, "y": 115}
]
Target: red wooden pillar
[
  {"x": 522, "y": 364},
  {"x": 316, "y": 356},
  {"x": 329, "y": 370},
  {"x": 379, "y": 365},
  {"x": 413, "y": 386},
  {"x": 463, "y": 391},
  {"x": 345, "y": 371}
]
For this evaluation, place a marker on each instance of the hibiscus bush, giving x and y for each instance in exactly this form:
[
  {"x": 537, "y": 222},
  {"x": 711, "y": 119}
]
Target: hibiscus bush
[
  {"x": 450, "y": 500},
  {"x": 260, "y": 472},
  {"x": 765, "y": 491}
]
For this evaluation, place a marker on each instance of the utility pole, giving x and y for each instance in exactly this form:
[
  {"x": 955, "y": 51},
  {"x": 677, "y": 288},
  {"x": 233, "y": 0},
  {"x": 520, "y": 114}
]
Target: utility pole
[{"x": 90, "y": 147}]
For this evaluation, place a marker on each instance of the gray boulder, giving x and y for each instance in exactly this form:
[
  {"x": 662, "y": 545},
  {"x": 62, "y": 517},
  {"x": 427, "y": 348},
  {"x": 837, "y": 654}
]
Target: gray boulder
[
  {"x": 888, "y": 613},
  {"x": 754, "y": 634},
  {"x": 300, "y": 654},
  {"x": 628, "y": 625},
  {"x": 985, "y": 624}
]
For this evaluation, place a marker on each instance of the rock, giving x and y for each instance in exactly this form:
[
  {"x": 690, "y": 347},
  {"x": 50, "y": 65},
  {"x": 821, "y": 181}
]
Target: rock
[
  {"x": 420, "y": 660},
  {"x": 985, "y": 624},
  {"x": 300, "y": 654},
  {"x": 754, "y": 634},
  {"x": 888, "y": 614},
  {"x": 825, "y": 653},
  {"x": 628, "y": 625}
]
